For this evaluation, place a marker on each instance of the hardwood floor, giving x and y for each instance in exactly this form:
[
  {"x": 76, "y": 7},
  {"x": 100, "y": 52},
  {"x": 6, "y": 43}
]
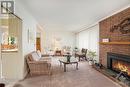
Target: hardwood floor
[{"x": 86, "y": 76}]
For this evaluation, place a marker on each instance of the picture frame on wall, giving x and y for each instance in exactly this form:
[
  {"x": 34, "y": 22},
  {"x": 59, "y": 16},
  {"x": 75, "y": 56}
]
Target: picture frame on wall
[
  {"x": 106, "y": 40},
  {"x": 30, "y": 36}
]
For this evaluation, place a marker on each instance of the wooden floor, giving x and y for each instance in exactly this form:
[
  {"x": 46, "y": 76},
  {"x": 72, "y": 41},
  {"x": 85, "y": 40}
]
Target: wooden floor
[{"x": 86, "y": 76}]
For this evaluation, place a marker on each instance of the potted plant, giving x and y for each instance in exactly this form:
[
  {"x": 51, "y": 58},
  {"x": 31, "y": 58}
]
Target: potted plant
[
  {"x": 12, "y": 40},
  {"x": 91, "y": 55}
]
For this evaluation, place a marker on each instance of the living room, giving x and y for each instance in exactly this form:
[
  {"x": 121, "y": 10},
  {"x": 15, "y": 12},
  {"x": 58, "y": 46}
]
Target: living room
[{"x": 65, "y": 43}]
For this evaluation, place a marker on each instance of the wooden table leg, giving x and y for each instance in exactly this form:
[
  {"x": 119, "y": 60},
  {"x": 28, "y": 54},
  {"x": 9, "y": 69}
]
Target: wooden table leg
[
  {"x": 77, "y": 65},
  {"x": 64, "y": 67},
  {"x": 60, "y": 63}
]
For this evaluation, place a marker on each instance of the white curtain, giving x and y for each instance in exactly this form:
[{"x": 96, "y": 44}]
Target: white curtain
[
  {"x": 89, "y": 39},
  {"x": 83, "y": 41}
]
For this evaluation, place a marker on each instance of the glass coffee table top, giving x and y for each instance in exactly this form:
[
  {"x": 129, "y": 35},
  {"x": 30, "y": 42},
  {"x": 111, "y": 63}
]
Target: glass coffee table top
[
  {"x": 64, "y": 61},
  {"x": 72, "y": 59}
]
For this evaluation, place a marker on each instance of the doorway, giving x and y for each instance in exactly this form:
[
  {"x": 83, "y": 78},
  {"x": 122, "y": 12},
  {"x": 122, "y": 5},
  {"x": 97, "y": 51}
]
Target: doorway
[{"x": 38, "y": 43}]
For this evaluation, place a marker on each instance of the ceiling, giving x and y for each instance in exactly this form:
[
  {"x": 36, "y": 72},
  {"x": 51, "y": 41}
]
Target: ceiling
[{"x": 71, "y": 15}]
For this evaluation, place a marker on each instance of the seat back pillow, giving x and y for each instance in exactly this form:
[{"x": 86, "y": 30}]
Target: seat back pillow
[
  {"x": 39, "y": 53},
  {"x": 35, "y": 56}
]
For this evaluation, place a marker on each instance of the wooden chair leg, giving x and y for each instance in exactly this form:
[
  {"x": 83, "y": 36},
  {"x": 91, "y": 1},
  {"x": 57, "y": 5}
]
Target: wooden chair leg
[
  {"x": 86, "y": 58},
  {"x": 79, "y": 58}
]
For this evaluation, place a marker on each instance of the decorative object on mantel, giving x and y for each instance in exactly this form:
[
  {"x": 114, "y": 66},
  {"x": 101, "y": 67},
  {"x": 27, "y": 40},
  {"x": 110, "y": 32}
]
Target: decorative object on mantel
[
  {"x": 105, "y": 40},
  {"x": 123, "y": 27}
]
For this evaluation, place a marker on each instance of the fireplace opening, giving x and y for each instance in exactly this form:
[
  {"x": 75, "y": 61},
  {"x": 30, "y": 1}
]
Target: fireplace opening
[
  {"x": 119, "y": 63},
  {"x": 121, "y": 66}
]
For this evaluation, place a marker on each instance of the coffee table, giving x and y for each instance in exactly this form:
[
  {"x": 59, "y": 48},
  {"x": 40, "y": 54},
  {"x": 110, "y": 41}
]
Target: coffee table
[{"x": 64, "y": 61}]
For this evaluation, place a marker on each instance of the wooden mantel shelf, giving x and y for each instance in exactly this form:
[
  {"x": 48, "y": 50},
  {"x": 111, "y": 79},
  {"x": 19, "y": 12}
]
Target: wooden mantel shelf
[{"x": 116, "y": 43}]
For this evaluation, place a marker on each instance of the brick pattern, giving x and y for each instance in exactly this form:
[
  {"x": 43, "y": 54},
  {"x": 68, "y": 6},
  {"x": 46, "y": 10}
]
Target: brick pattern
[{"x": 105, "y": 26}]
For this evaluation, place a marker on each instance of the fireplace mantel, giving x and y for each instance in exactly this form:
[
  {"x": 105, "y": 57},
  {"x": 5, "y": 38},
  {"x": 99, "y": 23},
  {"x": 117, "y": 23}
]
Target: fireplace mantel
[{"x": 115, "y": 43}]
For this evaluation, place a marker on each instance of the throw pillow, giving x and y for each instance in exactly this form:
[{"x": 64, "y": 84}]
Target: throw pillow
[
  {"x": 35, "y": 56},
  {"x": 39, "y": 53}
]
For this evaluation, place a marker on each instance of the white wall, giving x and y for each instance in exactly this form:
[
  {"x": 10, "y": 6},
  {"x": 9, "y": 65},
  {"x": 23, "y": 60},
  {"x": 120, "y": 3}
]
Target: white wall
[
  {"x": 67, "y": 39},
  {"x": 13, "y": 63},
  {"x": 89, "y": 39},
  {"x": 28, "y": 23}
]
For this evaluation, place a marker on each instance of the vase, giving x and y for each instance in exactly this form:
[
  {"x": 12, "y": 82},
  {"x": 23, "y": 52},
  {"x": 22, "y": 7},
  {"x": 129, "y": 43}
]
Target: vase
[{"x": 68, "y": 58}]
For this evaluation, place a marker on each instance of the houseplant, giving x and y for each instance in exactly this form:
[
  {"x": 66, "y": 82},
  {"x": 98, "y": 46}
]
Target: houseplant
[
  {"x": 91, "y": 55},
  {"x": 12, "y": 40}
]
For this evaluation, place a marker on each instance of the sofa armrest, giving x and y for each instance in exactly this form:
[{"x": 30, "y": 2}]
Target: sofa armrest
[
  {"x": 39, "y": 65},
  {"x": 37, "y": 62}
]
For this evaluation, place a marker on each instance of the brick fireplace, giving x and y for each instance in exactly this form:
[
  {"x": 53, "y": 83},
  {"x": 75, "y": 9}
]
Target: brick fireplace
[{"x": 116, "y": 36}]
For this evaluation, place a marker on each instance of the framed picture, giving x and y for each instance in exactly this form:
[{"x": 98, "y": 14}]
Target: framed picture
[
  {"x": 31, "y": 38},
  {"x": 105, "y": 40}
]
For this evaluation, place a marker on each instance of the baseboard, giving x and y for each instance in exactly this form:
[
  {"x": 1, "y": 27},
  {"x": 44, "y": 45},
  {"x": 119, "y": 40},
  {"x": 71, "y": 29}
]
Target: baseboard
[{"x": 25, "y": 75}]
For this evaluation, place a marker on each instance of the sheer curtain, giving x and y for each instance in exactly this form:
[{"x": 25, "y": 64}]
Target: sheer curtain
[
  {"x": 89, "y": 39},
  {"x": 83, "y": 41}
]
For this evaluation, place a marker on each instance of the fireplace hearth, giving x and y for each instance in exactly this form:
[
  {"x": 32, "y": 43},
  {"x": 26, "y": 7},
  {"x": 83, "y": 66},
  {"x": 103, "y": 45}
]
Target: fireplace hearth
[{"x": 119, "y": 63}]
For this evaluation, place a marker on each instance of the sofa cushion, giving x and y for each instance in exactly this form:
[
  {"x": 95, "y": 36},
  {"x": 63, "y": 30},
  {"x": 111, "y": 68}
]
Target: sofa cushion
[
  {"x": 39, "y": 53},
  {"x": 35, "y": 56}
]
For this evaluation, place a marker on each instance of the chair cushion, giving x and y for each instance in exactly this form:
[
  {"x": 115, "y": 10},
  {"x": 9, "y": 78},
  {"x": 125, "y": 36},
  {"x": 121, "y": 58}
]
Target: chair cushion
[
  {"x": 39, "y": 53},
  {"x": 35, "y": 56}
]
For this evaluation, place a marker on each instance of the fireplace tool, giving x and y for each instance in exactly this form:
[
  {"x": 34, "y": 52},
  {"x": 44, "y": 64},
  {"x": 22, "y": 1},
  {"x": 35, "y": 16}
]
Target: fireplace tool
[{"x": 122, "y": 73}]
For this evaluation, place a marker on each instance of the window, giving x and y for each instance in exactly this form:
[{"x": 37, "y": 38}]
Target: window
[{"x": 89, "y": 39}]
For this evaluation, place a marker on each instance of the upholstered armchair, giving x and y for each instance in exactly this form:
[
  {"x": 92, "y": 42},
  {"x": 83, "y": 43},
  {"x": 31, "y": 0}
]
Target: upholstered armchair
[{"x": 38, "y": 66}]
